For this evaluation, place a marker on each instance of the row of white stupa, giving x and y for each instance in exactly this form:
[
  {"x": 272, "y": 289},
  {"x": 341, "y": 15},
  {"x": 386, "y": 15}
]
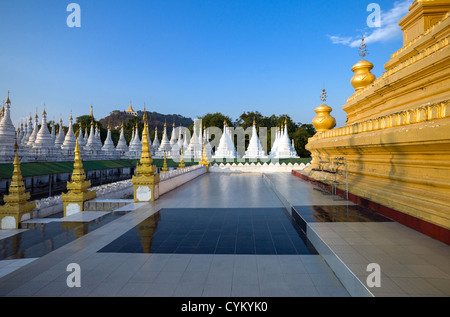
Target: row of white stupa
[{"x": 41, "y": 144}]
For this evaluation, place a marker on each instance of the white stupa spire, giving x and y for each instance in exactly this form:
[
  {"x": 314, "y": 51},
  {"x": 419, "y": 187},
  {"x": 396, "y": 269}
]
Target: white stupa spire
[
  {"x": 226, "y": 147},
  {"x": 165, "y": 143},
  {"x": 70, "y": 140},
  {"x": 255, "y": 149},
  {"x": 81, "y": 138},
  {"x": 61, "y": 136},
  {"x": 122, "y": 144},
  {"x": 156, "y": 141},
  {"x": 28, "y": 131},
  {"x": 108, "y": 146},
  {"x": 173, "y": 137},
  {"x": 43, "y": 138},
  {"x": 33, "y": 135},
  {"x": 7, "y": 131}
]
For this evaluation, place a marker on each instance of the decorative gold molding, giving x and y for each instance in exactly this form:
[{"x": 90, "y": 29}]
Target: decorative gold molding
[{"x": 424, "y": 113}]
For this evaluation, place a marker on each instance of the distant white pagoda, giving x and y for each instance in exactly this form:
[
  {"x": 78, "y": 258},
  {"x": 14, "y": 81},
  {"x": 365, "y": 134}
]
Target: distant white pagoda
[
  {"x": 122, "y": 146},
  {"x": 60, "y": 137},
  {"x": 43, "y": 147},
  {"x": 226, "y": 147},
  {"x": 7, "y": 133},
  {"x": 282, "y": 146},
  {"x": 108, "y": 148},
  {"x": 255, "y": 149},
  {"x": 165, "y": 143},
  {"x": 70, "y": 140}
]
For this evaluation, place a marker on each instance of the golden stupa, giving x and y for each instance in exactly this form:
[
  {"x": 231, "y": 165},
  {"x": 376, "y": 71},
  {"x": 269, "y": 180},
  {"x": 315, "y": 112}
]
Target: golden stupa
[
  {"x": 17, "y": 207},
  {"x": 146, "y": 180},
  {"x": 78, "y": 192}
]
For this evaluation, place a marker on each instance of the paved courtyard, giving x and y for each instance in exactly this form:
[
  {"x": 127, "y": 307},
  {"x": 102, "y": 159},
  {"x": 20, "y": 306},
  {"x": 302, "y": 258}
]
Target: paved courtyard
[{"x": 411, "y": 264}]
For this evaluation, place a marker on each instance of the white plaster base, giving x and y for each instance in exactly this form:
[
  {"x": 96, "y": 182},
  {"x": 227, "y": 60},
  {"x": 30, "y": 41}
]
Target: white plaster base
[
  {"x": 8, "y": 222},
  {"x": 72, "y": 208}
]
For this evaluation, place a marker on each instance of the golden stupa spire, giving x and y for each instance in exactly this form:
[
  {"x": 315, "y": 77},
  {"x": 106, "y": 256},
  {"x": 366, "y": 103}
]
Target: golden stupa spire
[
  {"x": 77, "y": 188},
  {"x": 7, "y": 101},
  {"x": 204, "y": 160},
  {"x": 16, "y": 202},
  {"x": 92, "y": 113},
  {"x": 146, "y": 156},
  {"x": 164, "y": 168},
  {"x": 181, "y": 165}
]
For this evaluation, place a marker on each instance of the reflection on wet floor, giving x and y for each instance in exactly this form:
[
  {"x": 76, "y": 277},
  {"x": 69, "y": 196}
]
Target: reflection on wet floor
[
  {"x": 335, "y": 213},
  {"x": 215, "y": 231},
  {"x": 42, "y": 238}
]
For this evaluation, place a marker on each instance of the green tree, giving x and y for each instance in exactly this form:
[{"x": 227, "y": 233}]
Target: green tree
[{"x": 301, "y": 136}]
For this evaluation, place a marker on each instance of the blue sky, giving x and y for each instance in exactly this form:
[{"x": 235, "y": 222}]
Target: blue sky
[{"x": 189, "y": 57}]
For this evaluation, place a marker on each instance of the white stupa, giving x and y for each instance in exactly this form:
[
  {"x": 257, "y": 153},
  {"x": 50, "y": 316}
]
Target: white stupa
[
  {"x": 60, "y": 137},
  {"x": 226, "y": 147},
  {"x": 255, "y": 149},
  {"x": 173, "y": 137},
  {"x": 33, "y": 135},
  {"x": 7, "y": 134},
  {"x": 43, "y": 147},
  {"x": 156, "y": 143},
  {"x": 28, "y": 131},
  {"x": 122, "y": 146},
  {"x": 81, "y": 138},
  {"x": 282, "y": 147},
  {"x": 70, "y": 140},
  {"x": 108, "y": 146},
  {"x": 165, "y": 143},
  {"x": 135, "y": 147}
]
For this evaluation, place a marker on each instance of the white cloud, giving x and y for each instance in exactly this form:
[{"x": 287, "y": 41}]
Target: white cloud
[{"x": 388, "y": 30}]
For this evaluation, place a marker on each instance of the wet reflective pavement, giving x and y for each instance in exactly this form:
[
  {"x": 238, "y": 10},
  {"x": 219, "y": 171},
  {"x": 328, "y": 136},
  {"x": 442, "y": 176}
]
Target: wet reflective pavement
[{"x": 215, "y": 231}]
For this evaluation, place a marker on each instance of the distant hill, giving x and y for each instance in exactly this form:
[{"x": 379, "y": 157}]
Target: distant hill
[{"x": 116, "y": 118}]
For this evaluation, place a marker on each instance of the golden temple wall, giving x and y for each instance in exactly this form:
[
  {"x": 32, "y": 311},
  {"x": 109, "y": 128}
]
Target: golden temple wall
[{"x": 396, "y": 142}]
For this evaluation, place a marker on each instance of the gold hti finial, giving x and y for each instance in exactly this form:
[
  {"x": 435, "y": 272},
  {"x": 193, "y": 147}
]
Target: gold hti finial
[
  {"x": 323, "y": 96},
  {"x": 92, "y": 113},
  {"x": 363, "y": 77},
  {"x": 7, "y": 101},
  {"x": 363, "y": 48}
]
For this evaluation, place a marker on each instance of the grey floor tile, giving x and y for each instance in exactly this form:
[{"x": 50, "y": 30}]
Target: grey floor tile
[
  {"x": 160, "y": 289},
  {"x": 189, "y": 290},
  {"x": 133, "y": 290},
  {"x": 217, "y": 290},
  {"x": 245, "y": 290}
]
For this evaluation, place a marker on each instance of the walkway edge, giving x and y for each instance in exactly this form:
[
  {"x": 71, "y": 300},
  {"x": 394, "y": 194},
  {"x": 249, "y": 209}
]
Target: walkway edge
[{"x": 350, "y": 281}]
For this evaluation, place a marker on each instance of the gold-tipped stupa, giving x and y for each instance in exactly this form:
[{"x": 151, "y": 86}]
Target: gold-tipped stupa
[
  {"x": 164, "y": 168},
  {"x": 77, "y": 188},
  {"x": 204, "y": 160},
  {"x": 17, "y": 207},
  {"x": 181, "y": 164},
  {"x": 146, "y": 180}
]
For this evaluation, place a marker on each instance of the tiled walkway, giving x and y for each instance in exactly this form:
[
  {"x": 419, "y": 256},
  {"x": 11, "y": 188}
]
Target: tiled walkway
[
  {"x": 346, "y": 247},
  {"x": 143, "y": 274}
]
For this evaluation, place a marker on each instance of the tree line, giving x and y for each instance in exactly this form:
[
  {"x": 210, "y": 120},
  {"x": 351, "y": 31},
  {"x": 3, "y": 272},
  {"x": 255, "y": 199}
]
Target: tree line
[{"x": 298, "y": 132}]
